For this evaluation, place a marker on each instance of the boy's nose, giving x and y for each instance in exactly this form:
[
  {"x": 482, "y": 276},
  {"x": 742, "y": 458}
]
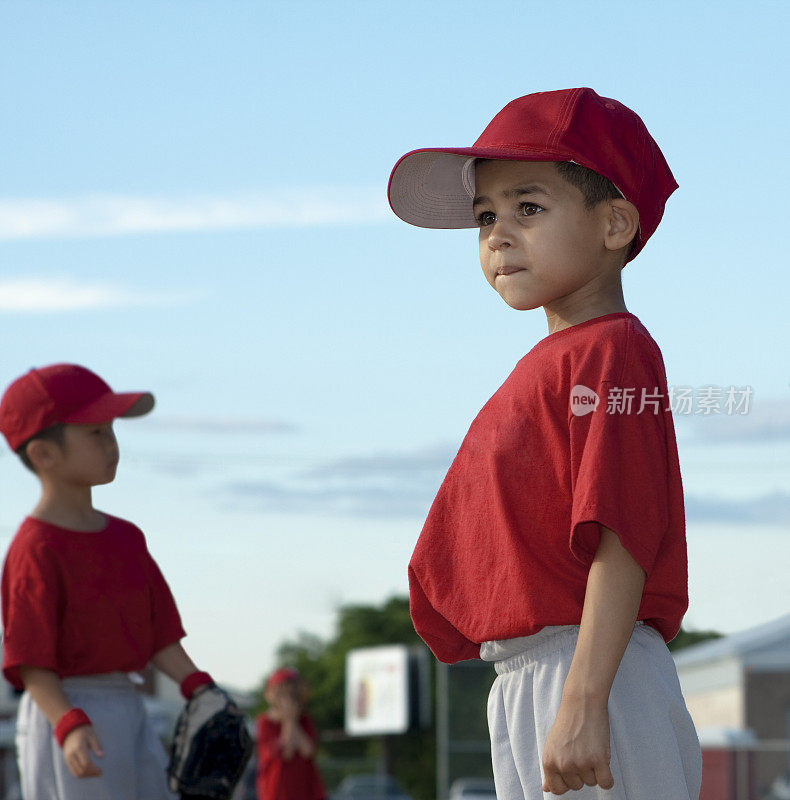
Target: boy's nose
[{"x": 498, "y": 237}]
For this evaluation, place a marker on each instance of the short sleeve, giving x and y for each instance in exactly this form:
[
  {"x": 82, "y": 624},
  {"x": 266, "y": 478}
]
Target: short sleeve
[
  {"x": 620, "y": 469},
  {"x": 31, "y": 589},
  {"x": 166, "y": 621}
]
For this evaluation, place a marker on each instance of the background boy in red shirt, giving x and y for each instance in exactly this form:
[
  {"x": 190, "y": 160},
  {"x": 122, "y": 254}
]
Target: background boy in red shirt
[
  {"x": 555, "y": 547},
  {"x": 83, "y": 601},
  {"x": 286, "y": 742}
]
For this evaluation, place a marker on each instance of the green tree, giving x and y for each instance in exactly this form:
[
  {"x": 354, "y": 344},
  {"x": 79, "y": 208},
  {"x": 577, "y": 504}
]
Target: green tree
[{"x": 687, "y": 638}]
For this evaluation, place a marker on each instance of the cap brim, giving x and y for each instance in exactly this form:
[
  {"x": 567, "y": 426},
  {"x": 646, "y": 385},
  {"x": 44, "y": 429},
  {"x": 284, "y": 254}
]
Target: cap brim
[
  {"x": 427, "y": 186},
  {"x": 111, "y": 406}
]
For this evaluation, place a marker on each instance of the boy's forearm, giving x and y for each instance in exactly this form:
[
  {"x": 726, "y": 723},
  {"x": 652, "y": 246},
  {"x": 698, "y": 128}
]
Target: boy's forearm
[
  {"x": 174, "y": 662},
  {"x": 304, "y": 744},
  {"x": 45, "y": 688},
  {"x": 298, "y": 738},
  {"x": 611, "y": 604}
]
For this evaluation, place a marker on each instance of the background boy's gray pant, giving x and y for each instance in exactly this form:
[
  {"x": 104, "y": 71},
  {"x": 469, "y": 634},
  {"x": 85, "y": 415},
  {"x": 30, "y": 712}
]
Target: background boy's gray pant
[
  {"x": 134, "y": 761},
  {"x": 655, "y": 752}
]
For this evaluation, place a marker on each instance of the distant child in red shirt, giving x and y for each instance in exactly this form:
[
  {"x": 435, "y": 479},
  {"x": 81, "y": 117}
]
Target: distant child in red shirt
[
  {"x": 287, "y": 742},
  {"x": 555, "y": 547},
  {"x": 83, "y": 602}
]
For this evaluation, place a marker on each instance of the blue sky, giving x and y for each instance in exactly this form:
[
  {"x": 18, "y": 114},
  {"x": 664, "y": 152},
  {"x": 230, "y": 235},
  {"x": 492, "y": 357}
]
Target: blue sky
[{"x": 193, "y": 201}]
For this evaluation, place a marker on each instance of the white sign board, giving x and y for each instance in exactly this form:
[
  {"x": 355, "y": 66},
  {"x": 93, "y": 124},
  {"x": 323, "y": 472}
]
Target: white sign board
[{"x": 377, "y": 690}]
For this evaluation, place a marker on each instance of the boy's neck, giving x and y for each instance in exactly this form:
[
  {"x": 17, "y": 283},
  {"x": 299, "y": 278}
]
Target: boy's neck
[
  {"x": 578, "y": 307},
  {"x": 68, "y": 507}
]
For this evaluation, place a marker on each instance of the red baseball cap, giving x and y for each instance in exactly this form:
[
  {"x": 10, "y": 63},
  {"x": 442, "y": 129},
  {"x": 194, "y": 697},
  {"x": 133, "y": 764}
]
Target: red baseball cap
[
  {"x": 64, "y": 393},
  {"x": 434, "y": 187},
  {"x": 281, "y": 676}
]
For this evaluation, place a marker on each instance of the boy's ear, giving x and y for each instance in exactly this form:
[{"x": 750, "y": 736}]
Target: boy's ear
[
  {"x": 622, "y": 224},
  {"x": 41, "y": 454}
]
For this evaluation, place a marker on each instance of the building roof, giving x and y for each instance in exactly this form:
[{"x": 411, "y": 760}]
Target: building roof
[{"x": 764, "y": 646}]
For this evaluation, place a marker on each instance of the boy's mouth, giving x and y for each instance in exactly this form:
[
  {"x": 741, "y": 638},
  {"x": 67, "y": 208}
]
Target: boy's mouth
[{"x": 508, "y": 270}]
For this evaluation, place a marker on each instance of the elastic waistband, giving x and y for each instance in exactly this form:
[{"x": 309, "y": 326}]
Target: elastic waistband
[
  {"x": 107, "y": 680},
  {"x": 547, "y": 640}
]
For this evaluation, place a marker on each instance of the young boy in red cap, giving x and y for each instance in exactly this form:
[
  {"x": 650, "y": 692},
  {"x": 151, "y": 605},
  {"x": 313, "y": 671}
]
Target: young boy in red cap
[
  {"x": 556, "y": 547},
  {"x": 286, "y": 742},
  {"x": 83, "y": 602}
]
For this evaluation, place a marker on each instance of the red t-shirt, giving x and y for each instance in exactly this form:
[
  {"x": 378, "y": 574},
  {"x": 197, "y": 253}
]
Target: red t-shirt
[
  {"x": 296, "y": 778},
  {"x": 83, "y": 603},
  {"x": 508, "y": 542}
]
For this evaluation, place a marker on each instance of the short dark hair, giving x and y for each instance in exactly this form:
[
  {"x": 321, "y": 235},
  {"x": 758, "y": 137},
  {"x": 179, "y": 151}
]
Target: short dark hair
[
  {"x": 55, "y": 433},
  {"x": 590, "y": 183}
]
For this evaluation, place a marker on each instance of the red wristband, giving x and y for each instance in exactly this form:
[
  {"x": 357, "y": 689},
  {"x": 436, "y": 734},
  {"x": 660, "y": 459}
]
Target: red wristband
[
  {"x": 193, "y": 682},
  {"x": 70, "y": 720}
]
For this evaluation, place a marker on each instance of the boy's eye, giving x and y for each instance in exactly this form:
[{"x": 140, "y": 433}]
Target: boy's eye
[
  {"x": 530, "y": 209},
  {"x": 486, "y": 218}
]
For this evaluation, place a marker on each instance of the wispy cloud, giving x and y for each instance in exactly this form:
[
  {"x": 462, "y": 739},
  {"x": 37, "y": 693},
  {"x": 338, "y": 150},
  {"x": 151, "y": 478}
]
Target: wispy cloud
[
  {"x": 767, "y": 420},
  {"x": 54, "y": 294},
  {"x": 769, "y": 509},
  {"x": 387, "y": 465},
  {"x": 394, "y": 502},
  {"x": 120, "y": 215},
  {"x": 381, "y": 485}
]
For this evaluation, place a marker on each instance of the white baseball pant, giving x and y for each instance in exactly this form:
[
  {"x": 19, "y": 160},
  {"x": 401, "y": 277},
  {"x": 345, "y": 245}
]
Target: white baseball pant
[
  {"x": 134, "y": 761},
  {"x": 655, "y": 752}
]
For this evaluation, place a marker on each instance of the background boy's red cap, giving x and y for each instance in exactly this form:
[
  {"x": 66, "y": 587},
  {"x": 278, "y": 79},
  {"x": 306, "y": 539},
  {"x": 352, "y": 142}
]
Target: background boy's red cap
[
  {"x": 434, "y": 187},
  {"x": 281, "y": 676},
  {"x": 64, "y": 393}
]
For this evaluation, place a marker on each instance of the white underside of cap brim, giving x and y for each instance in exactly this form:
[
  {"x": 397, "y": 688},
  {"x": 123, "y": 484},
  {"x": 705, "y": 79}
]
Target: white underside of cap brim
[{"x": 427, "y": 189}]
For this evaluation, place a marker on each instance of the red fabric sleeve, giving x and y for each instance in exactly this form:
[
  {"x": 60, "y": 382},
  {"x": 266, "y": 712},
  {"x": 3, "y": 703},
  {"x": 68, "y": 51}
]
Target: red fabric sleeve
[
  {"x": 620, "y": 470},
  {"x": 165, "y": 618},
  {"x": 267, "y": 740},
  {"x": 30, "y": 595}
]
